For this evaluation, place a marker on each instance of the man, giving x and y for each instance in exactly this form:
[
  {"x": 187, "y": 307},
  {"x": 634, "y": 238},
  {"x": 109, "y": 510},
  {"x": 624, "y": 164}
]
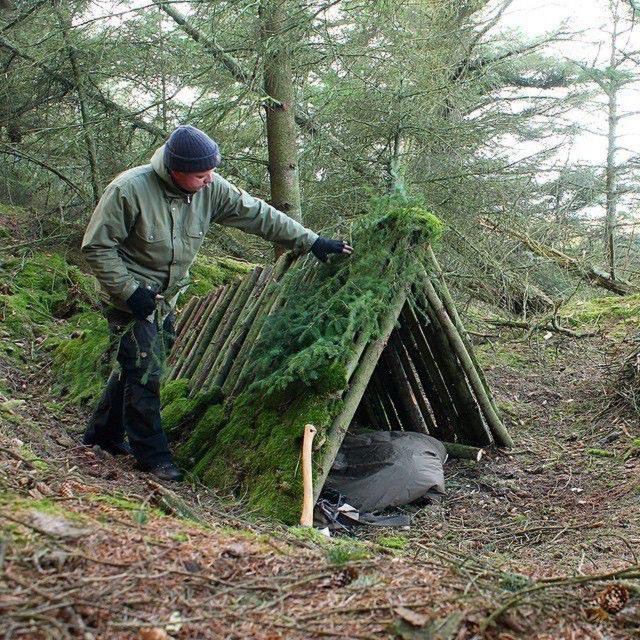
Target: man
[{"x": 140, "y": 243}]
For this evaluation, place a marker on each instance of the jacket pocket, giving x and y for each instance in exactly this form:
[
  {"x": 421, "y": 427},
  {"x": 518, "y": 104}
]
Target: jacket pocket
[
  {"x": 153, "y": 234},
  {"x": 196, "y": 232}
]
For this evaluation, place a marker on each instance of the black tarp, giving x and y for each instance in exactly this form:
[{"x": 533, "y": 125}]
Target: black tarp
[{"x": 375, "y": 470}]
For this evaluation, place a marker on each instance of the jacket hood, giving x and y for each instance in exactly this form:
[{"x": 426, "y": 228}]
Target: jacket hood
[{"x": 157, "y": 164}]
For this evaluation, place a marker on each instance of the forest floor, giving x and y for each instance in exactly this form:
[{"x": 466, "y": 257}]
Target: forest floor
[{"x": 539, "y": 542}]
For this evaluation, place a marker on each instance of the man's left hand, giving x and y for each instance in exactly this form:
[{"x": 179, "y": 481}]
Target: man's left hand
[{"x": 322, "y": 247}]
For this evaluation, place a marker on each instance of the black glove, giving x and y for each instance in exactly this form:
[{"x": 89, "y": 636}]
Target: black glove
[
  {"x": 142, "y": 303},
  {"x": 322, "y": 247}
]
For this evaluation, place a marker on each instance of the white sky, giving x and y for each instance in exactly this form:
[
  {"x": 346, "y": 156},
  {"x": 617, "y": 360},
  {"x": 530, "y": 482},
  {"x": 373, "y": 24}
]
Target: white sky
[{"x": 591, "y": 19}]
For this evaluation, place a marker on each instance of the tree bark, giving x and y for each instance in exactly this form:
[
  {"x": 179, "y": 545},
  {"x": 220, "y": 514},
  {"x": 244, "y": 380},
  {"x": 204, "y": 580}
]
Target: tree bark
[
  {"x": 612, "y": 143},
  {"x": 90, "y": 144},
  {"x": 280, "y": 110}
]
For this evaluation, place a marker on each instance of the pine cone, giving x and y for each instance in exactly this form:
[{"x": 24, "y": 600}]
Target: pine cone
[{"x": 613, "y": 598}]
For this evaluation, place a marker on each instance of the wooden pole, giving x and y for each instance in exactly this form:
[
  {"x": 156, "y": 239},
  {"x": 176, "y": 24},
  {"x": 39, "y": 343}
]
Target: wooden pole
[
  {"x": 185, "y": 355},
  {"x": 356, "y": 390},
  {"x": 449, "y": 304},
  {"x": 426, "y": 412},
  {"x": 498, "y": 430},
  {"x": 462, "y": 451},
  {"x": 435, "y": 387}
]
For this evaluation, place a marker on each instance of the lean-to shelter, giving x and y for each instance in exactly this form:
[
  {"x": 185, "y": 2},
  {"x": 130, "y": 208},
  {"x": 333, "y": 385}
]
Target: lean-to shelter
[{"x": 368, "y": 341}]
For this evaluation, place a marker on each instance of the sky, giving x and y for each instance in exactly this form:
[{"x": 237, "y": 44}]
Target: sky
[{"x": 590, "y": 19}]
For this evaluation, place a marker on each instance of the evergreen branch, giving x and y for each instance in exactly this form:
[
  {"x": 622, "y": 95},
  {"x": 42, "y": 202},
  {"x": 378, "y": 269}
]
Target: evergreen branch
[{"x": 12, "y": 151}]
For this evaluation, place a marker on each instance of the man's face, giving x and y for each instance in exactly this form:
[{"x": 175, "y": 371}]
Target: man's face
[{"x": 192, "y": 182}]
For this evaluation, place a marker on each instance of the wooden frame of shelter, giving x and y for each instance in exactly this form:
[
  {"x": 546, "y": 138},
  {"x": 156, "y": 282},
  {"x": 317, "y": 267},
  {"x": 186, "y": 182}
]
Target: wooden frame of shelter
[{"x": 419, "y": 373}]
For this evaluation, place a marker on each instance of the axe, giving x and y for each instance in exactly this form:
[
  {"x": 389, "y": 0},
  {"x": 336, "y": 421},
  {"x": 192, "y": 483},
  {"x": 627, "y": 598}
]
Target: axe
[{"x": 306, "y": 520}]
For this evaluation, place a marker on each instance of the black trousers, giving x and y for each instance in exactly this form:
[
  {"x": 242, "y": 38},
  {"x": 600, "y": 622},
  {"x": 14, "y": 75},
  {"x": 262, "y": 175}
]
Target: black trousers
[{"x": 130, "y": 405}]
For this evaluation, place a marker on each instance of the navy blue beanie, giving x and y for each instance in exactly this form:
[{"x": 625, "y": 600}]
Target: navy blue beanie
[{"x": 188, "y": 149}]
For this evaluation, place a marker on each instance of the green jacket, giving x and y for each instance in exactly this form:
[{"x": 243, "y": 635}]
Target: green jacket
[{"x": 145, "y": 231}]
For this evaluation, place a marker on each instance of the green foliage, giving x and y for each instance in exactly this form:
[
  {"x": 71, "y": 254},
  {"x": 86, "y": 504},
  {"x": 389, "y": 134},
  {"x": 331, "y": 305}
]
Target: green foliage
[
  {"x": 514, "y": 582},
  {"x": 300, "y": 361},
  {"x": 310, "y": 339}
]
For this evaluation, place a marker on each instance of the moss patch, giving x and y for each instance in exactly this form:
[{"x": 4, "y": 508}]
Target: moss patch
[
  {"x": 601, "y": 310},
  {"x": 257, "y": 451},
  {"x": 346, "y": 551},
  {"x": 202, "y": 437},
  {"x": 208, "y": 274},
  {"x": 183, "y": 413},
  {"x": 393, "y": 542},
  {"x": 41, "y": 289},
  {"x": 173, "y": 390},
  {"x": 81, "y": 359}
]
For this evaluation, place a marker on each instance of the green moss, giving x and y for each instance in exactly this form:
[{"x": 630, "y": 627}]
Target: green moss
[
  {"x": 417, "y": 220},
  {"x": 257, "y": 452},
  {"x": 202, "y": 437},
  {"x": 173, "y": 390},
  {"x": 180, "y": 537},
  {"x": 209, "y": 273},
  {"x": 81, "y": 362},
  {"x": 41, "y": 289},
  {"x": 349, "y": 551},
  {"x": 183, "y": 412},
  {"x": 607, "y": 309},
  {"x": 310, "y": 534},
  {"x": 601, "y": 453},
  {"x": 125, "y": 504},
  {"x": 393, "y": 542}
]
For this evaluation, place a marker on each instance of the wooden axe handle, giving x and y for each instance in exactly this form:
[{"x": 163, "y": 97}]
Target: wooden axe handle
[{"x": 306, "y": 519}]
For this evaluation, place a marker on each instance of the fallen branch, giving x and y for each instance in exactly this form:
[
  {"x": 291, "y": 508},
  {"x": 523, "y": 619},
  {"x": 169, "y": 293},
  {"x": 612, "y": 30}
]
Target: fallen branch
[
  {"x": 591, "y": 274},
  {"x": 631, "y": 572},
  {"x": 553, "y": 326}
]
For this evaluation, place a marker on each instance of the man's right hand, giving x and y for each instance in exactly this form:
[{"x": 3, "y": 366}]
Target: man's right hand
[{"x": 142, "y": 303}]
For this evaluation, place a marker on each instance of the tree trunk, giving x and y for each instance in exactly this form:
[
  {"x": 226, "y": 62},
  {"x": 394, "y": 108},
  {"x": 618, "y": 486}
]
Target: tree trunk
[
  {"x": 612, "y": 140},
  {"x": 66, "y": 25},
  {"x": 280, "y": 110}
]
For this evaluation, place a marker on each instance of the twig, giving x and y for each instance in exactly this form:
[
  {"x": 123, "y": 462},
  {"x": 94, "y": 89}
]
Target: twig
[{"x": 632, "y": 571}]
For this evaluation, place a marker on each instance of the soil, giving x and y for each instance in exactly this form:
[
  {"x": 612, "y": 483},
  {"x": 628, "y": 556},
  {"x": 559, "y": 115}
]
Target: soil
[{"x": 538, "y": 542}]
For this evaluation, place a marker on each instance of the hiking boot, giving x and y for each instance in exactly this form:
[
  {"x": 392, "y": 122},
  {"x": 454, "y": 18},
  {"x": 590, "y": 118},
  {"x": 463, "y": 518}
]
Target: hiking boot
[
  {"x": 165, "y": 471},
  {"x": 114, "y": 448}
]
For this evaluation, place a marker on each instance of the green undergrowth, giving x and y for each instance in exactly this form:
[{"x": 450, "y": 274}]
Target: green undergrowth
[
  {"x": 39, "y": 290},
  {"x": 298, "y": 366},
  {"x": 598, "y": 311}
]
